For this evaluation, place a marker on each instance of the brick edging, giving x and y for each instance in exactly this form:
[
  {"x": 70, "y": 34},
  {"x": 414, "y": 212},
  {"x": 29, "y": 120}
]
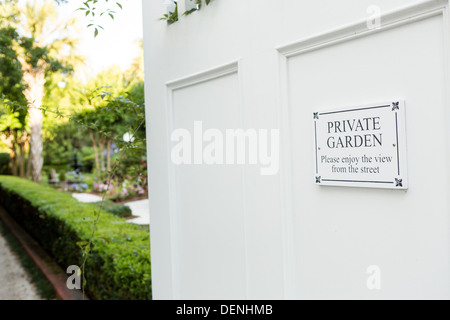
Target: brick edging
[{"x": 52, "y": 271}]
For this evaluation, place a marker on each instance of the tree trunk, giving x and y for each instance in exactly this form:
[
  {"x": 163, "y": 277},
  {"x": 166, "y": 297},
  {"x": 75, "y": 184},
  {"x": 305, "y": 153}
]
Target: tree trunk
[
  {"x": 21, "y": 161},
  {"x": 108, "y": 155},
  {"x": 94, "y": 145},
  {"x": 28, "y": 166},
  {"x": 22, "y": 153},
  {"x": 34, "y": 78},
  {"x": 13, "y": 157},
  {"x": 101, "y": 143},
  {"x": 12, "y": 152},
  {"x": 14, "y": 166}
]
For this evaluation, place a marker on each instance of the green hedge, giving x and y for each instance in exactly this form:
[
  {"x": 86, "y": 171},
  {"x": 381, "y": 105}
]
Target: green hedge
[
  {"x": 119, "y": 210},
  {"x": 119, "y": 263}
]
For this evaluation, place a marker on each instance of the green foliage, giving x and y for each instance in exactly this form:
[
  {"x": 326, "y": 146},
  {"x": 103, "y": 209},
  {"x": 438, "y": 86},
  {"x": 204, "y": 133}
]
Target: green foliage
[
  {"x": 107, "y": 112},
  {"x": 87, "y": 159},
  {"x": 4, "y": 164},
  {"x": 119, "y": 258},
  {"x": 93, "y": 8},
  {"x": 62, "y": 175},
  {"x": 61, "y": 143},
  {"x": 37, "y": 56},
  {"x": 37, "y": 46},
  {"x": 10, "y": 121},
  {"x": 113, "y": 113},
  {"x": 12, "y": 100},
  {"x": 11, "y": 73},
  {"x": 172, "y": 17},
  {"x": 64, "y": 94},
  {"x": 45, "y": 43},
  {"x": 118, "y": 266},
  {"x": 119, "y": 210}
]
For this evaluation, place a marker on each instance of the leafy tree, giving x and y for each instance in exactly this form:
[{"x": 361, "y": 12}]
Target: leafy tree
[
  {"x": 10, "y": 69},
  {"x": 111, "y": 111},
  {"x": 64, "y": 96},
  {"x": 62, "y": 142},
  {"x": 45, "y": 46},
  {"x": 98, "y": 116},
  {"x": 13, "y": 131},
  {"x": 14, "y": 134}
]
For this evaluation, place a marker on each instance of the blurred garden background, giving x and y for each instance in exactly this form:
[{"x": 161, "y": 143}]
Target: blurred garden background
[{"x": 71, "y": 124}]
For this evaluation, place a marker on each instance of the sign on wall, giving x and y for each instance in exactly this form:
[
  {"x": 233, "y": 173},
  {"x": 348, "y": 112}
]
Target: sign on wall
[{"x": 361, "y": 146}]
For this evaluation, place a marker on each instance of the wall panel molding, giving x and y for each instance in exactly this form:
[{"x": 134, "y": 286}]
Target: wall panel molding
[
  {"x": 182, "y": 83},
  {"x": 389, "y": 20}
]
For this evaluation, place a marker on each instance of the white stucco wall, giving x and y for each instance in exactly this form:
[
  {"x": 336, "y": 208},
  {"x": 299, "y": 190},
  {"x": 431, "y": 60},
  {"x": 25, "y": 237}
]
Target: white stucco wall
[{"x": 229, "y": 232}]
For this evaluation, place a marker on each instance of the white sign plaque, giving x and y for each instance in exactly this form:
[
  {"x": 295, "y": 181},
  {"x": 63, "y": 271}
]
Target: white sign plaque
[{"x": 362, "y": 146}]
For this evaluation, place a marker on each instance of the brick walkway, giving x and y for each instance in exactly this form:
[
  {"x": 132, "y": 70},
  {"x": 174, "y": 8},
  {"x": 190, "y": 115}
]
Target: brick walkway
[{"x": 14, "y": 281}]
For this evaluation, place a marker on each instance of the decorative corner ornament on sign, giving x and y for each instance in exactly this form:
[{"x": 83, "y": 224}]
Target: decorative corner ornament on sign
[{"x": 395, "y": 106}]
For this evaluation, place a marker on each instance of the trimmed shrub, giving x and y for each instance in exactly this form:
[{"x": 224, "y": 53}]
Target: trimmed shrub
[
  {"x": 117, "y": 209},
  {"x": 119, "y": 260},
  {"x": 4, "y": 164}
]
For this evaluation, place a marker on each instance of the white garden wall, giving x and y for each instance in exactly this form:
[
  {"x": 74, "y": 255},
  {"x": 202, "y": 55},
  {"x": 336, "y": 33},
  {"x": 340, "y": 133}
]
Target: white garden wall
[{"x": 228, "y": 232}]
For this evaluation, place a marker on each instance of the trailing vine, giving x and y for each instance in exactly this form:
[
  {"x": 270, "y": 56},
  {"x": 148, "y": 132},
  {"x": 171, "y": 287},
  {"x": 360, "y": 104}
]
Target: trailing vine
[{"x": 172, "y": 17}]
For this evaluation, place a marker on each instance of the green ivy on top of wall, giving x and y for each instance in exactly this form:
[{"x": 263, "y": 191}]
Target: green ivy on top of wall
[{"x": 172, "y": 17}]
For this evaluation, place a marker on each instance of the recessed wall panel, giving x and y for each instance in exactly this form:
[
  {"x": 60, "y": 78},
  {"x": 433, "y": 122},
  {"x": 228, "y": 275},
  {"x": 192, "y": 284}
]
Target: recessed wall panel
[
  {"x": 208, "y": 216},
  {"x": 340, "y": 232}
]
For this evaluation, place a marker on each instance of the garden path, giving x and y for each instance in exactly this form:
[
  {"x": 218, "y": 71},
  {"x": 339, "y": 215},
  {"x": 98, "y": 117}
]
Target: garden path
[
  {"x": 140, "y": 209},
  {"x": 14, "y": 281},
  {"x": 86, "y": 197}
]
